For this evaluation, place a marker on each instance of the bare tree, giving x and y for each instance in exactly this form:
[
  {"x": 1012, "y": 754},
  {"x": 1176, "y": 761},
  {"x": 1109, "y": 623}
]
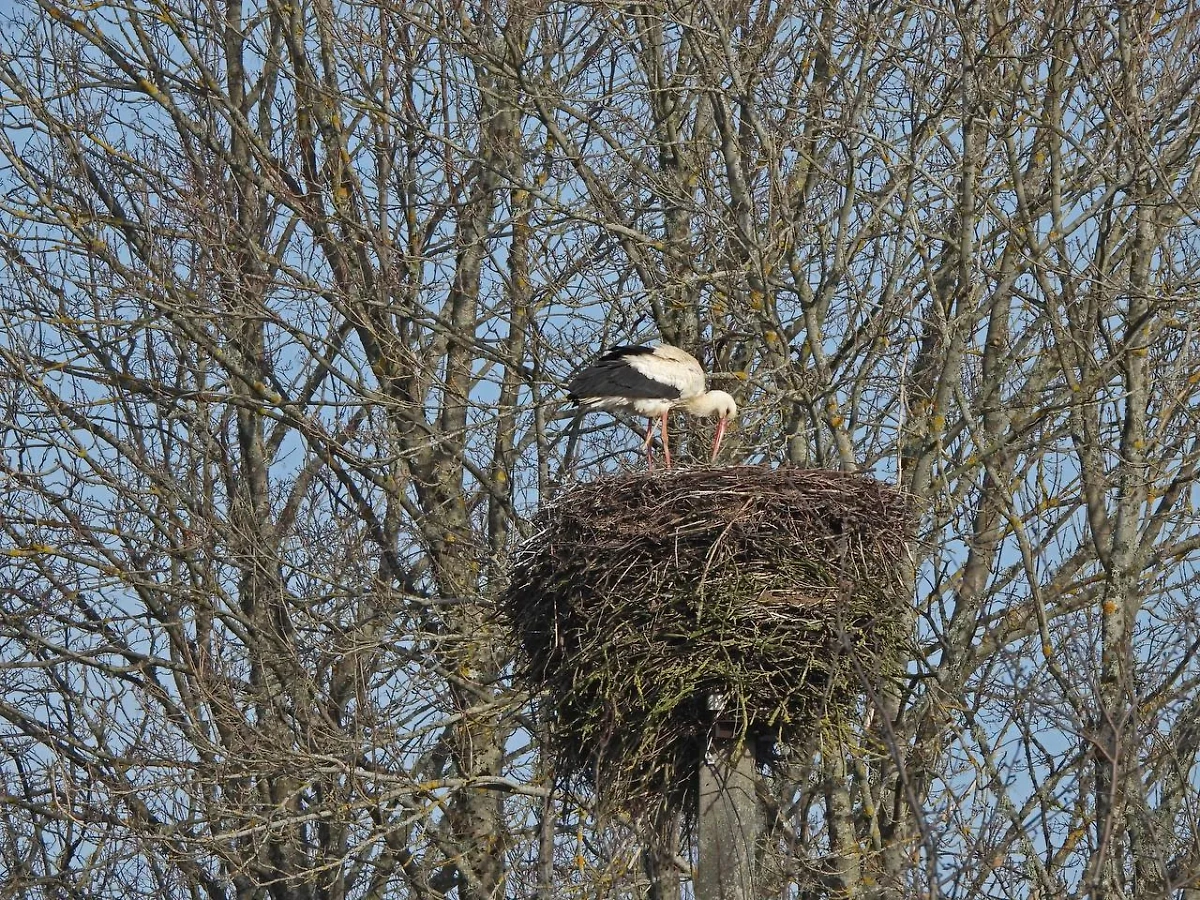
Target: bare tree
[{"x": 289, "y": 292}]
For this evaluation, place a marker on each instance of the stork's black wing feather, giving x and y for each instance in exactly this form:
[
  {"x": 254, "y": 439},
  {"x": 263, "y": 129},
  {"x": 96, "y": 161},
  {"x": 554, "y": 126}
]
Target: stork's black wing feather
[
  {"x": 622, "y": 352},
  {"x": 612, "y": 376}
]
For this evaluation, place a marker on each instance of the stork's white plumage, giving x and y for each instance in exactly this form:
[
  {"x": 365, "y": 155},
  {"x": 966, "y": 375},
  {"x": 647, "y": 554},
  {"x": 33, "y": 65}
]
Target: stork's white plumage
[{"x": 651, "y": 381}]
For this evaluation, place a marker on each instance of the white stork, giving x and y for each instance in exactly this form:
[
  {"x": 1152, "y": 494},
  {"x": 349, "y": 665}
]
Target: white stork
[{"x": 651, "y": 381}]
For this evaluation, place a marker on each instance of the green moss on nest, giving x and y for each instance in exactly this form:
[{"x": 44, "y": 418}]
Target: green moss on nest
[{"x": 640, "y": 597}]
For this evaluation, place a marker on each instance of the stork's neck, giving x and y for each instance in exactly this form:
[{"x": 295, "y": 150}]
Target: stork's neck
[{"x": 711, "y": 403}]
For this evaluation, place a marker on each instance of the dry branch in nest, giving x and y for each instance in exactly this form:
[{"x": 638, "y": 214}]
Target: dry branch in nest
[{"x": 644, "y": 600}]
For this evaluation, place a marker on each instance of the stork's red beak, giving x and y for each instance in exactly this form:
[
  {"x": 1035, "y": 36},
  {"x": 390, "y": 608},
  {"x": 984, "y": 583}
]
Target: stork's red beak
[{"x": 722, "y": 424}]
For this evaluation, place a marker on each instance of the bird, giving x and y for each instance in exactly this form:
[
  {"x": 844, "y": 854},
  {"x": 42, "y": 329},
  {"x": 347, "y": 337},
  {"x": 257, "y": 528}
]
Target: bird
[{"x": 651, "y": 381}]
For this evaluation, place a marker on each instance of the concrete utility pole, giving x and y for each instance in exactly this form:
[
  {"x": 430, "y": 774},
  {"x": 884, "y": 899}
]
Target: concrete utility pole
[{"x": 728, "y": 825}]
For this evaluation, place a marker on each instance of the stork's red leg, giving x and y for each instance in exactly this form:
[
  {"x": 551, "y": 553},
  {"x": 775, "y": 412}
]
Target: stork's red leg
[
  {"x": 666, "y": 443},
  {"x": 646, "y": 445}
]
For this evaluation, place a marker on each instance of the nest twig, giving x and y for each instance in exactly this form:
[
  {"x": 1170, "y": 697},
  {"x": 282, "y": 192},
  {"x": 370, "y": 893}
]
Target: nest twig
[{"x": 652, "y": 606}]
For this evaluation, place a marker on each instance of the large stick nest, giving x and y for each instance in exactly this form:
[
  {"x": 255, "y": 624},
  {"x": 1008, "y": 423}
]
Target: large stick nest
[{"x": 644, "y": 601}]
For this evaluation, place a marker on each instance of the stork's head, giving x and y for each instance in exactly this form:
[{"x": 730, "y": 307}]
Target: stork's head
[{"x": 714, "y": 403}]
